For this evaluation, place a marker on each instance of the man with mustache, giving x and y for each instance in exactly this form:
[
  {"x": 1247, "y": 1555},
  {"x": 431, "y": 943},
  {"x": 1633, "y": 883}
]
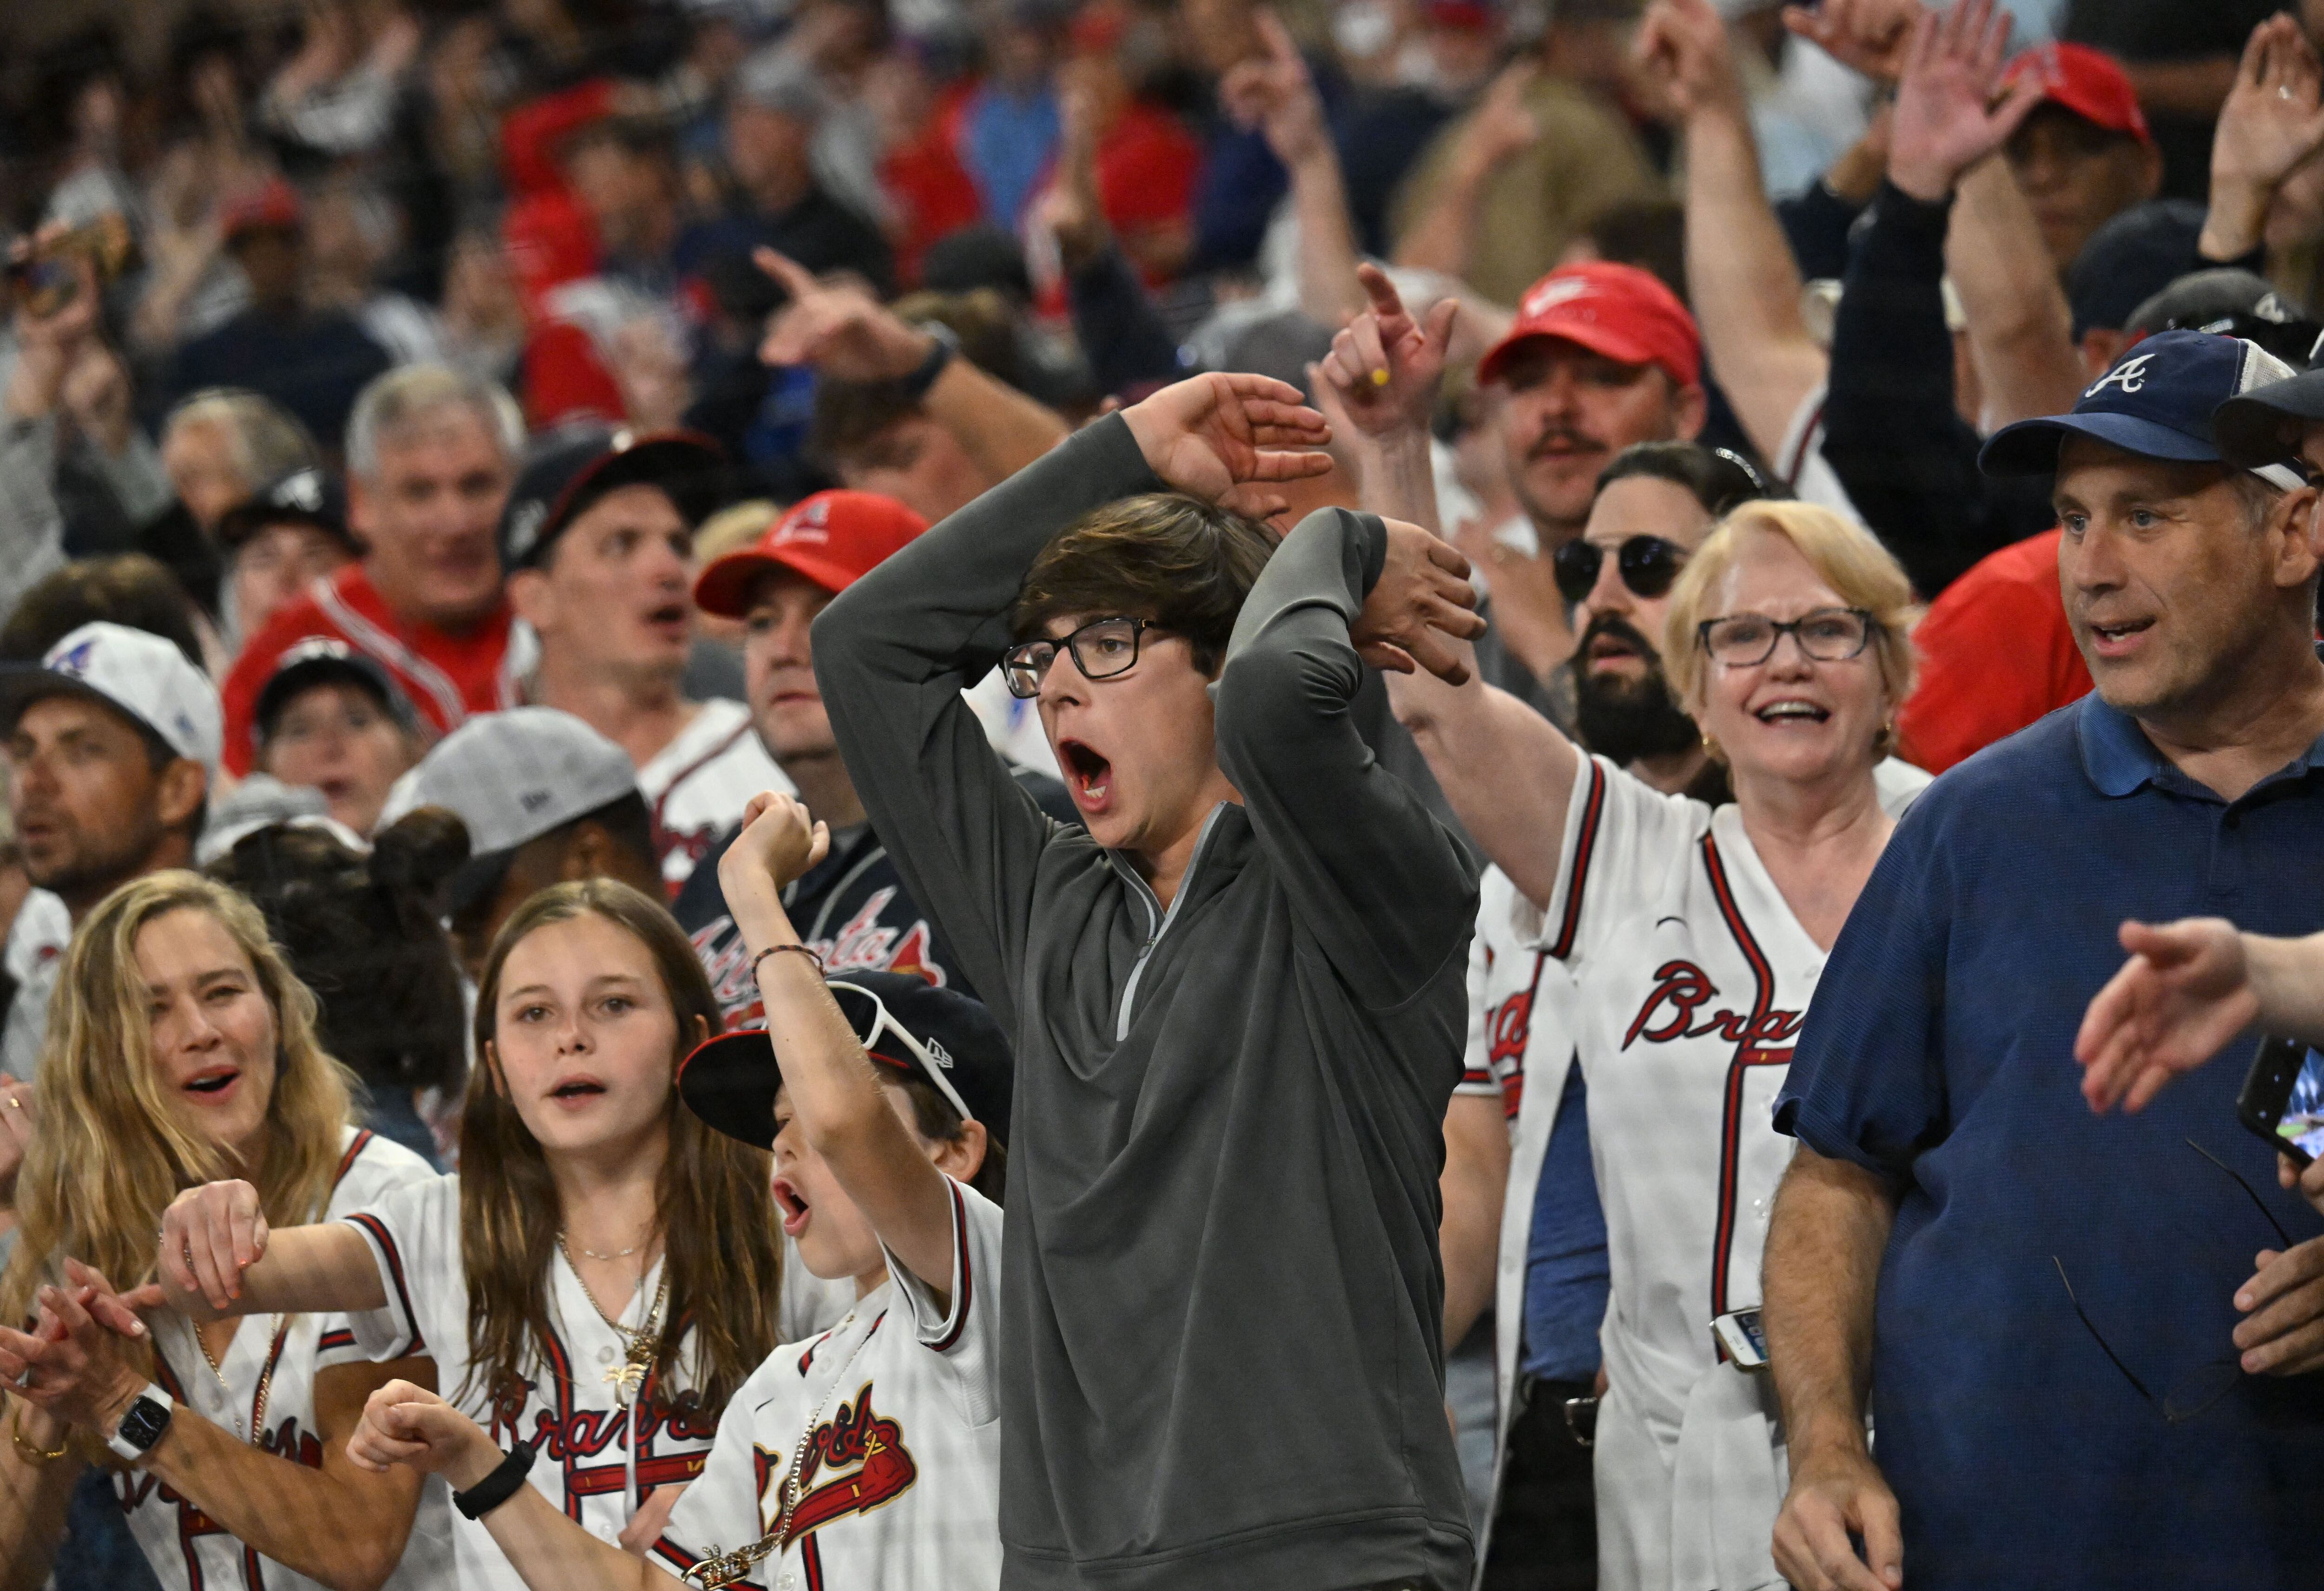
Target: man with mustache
[{"x": 1601, "y": 356}]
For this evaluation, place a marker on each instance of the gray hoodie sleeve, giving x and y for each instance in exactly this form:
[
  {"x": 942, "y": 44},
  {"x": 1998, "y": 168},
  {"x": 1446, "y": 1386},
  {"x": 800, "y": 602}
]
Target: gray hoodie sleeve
[
  {"x": 1380, "y": 884},
  {"x": 891, "y": 655}
]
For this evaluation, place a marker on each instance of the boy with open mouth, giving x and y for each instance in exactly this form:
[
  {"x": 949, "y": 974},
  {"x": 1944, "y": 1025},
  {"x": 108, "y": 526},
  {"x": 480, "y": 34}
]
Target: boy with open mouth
[{"x": 1236, "y": 1001}]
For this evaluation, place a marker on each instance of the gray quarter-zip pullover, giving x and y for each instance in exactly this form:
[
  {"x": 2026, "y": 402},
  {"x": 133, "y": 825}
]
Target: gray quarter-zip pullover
[{"x": 1219, "y": 1361}]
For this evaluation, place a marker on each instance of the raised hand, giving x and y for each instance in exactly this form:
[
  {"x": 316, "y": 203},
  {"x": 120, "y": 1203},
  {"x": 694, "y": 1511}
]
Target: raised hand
[
  {"x": 1274, "y": 92},
  {"x": 1868, "y": 36},
  {"x": 1422, "y": 596},
  {"x": 1384, "y": 365},
  {"x": 1833, "y": 1498},
  {"x": 2185, "y": 993},
  {"x": 1500, "y": 126},
  {"x": 1225, "y": 436},
  {"x": 2272, "y": 123},
  {"x": 777, "y": 844},
  {"x": 1684, "y": 47},
  {"x": 1947, "y": 118},
  {"x": 410, "y": 1425},
  {"x": 210, "y": 1235},
  {"x": 838, "y": 327}
]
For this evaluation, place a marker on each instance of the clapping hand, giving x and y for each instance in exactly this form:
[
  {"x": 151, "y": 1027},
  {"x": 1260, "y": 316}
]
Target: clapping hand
[
  {"x": 1947, "y": 116},
  {"x": 1228, "y": 437},
  {"x": 2185, "y": 993},
  {"x": 70, "y": 1363}
]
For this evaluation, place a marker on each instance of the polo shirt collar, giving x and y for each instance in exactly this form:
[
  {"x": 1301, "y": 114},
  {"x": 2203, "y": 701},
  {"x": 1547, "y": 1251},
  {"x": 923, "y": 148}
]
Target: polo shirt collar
[{"x": 2120, "y": 761}]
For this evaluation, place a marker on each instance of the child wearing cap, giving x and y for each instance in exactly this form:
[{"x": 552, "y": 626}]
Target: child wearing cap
[{"x": 868, "y": 1455}]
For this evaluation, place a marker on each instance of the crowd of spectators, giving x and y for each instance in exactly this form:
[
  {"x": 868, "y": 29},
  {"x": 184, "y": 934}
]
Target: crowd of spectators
[{"x": 429, "y": 430}]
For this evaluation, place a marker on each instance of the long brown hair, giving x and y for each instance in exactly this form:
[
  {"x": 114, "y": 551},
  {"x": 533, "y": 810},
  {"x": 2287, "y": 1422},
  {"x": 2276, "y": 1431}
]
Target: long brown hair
[
  {"x": 714, "y": 1201},
  {"x": 112, "y": 1151}
]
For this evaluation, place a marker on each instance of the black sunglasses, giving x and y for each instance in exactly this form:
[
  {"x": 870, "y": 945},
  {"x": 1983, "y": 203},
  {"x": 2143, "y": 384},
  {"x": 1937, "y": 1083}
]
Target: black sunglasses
[{"x": 1647, "y": 564}]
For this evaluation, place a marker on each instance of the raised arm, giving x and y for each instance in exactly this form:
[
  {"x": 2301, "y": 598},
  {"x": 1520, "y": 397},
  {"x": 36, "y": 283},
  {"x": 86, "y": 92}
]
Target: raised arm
[
  {"x": 892, "y": 652},
  {"x": 1276, "y": 93},
  {"x": 834, "y": 1091},
  {"x": 1505, "y": 769},
  {"x": 1443, "y": 234},
  {"x": 2020, "y": 330},
  {"x": 218, "y": 1256},
  {"x": 1739, "y": 271},
  {"x": 1822, "y": 1267},
  {"x": 851, "y": 337},
  {"x": 2272, "y": 124}
]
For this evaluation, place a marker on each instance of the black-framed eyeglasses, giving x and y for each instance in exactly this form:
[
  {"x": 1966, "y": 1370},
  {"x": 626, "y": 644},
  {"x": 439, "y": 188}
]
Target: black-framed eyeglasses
[
  {"x": 1646, "y": 564},
  {"x": 1102, "y": 649},
  {"x": 2197, "y": 1389},
  {"x": 1827, "y": 635}
]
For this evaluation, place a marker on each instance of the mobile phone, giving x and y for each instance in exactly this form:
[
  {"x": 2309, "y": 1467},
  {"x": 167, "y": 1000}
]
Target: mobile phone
[
  {"x": 1743, "y": 1339},
  {"x": 2283, "y": 1099}
]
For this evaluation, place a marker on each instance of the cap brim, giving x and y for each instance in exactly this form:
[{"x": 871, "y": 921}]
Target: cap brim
[
  {"x": 244, "y": 521},
  {"x": 308, "y": 671},
  {"x": 2251, "y": 430},
  {"x": 731, "y": 1081},
  {"x": 724, "y": 588},
  {"x": 24, "y": 684},
  {"x": 681, "y": 463},
  {"x": 1598, "y": 339},
  {"x": 2030, "y": 447}
]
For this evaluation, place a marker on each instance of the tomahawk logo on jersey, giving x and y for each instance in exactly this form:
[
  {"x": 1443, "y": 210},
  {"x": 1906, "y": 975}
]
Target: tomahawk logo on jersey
[
  {"x": 892, "y": 1420},
  {"x": 190, "y": 1551}
]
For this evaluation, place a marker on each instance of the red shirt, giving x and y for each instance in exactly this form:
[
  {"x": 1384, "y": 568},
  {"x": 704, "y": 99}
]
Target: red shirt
[
  {"x": 447, "y": 676},
  {"x": 1996, "y": 653}
]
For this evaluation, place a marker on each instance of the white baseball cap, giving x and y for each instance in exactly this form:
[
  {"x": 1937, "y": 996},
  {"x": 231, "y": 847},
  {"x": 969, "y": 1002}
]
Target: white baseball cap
[
  {"x": 133, "y": 671},
  {"x": 511, "y": 777}
]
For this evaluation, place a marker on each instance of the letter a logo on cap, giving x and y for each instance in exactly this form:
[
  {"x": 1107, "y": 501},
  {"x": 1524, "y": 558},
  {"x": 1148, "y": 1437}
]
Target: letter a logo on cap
[{"x": 2130, "y": 375}]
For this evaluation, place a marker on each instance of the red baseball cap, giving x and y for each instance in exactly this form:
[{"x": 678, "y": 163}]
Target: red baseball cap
[
  {"x": 273, "y": 205},
  {"x": 833, "y": 539},
  {"x": 2088, "y": 82},
  {"x": 1619, "y": 311}
]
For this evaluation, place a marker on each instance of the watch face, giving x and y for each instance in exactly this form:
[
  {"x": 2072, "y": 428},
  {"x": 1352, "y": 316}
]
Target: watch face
[{"x": 142, "y": 1426}]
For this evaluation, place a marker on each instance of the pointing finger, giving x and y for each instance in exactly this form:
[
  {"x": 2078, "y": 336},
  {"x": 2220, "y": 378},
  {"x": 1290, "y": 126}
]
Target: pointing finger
[{"x": 795, "y": 278}]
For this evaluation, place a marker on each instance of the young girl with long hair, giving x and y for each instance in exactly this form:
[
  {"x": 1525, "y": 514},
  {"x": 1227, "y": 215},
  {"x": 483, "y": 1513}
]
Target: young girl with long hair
[
  {"x": 605, "y": 1270},
  {"x": 181, "y": 1050},
  {"x": 867, "y": 1455}
]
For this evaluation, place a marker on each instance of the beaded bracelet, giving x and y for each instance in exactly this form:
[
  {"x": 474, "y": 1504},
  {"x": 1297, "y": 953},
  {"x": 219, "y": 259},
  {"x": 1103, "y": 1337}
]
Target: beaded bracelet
[{"x": 775, "y": 950}]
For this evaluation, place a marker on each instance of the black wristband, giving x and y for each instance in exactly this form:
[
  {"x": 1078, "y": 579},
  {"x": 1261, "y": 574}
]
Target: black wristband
[
  {"x": 943, "y": 344},
  {"x": 497, "y": 1487}
]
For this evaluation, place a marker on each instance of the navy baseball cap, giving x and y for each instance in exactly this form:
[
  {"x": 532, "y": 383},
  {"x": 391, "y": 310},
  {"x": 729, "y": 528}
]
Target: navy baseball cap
[
  {"x": 575, "y": 466},
  {"x": 2157, "y": 401},
  {"x": 730, "y": 1081},
  {"x": 306, "y": 496},
  {"x": 2264, "y": 428},
  {"x": 326, "y": 659}
]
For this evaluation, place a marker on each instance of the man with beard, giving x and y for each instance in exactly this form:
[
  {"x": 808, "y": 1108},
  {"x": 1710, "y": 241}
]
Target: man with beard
[{"x": 1601, "y": 356}]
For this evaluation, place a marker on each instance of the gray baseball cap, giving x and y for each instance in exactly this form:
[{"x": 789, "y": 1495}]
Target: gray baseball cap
[{"x": 513, "y": 776}]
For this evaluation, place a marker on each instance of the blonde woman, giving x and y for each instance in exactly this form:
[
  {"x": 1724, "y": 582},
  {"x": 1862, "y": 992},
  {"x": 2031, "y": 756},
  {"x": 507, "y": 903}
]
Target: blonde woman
[
  {"x": 1693, "y": 936},
  {"x": 181, "y": 1050},
  {"x": 601, "y": 1276}
]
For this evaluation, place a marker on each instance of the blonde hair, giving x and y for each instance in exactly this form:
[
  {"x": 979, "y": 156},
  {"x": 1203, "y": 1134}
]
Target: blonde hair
[
  {"x": 112, "y": 1152},
  {"x": 1844, "y": 555}
]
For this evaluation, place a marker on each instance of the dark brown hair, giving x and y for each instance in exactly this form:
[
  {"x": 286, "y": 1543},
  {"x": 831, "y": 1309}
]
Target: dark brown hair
[
  {"x": 936, "y": 1120},
  {"x": 126, "y": 588},
  {"x": 1184, "y": 564},
  {"x": 715, "y": 1204}
]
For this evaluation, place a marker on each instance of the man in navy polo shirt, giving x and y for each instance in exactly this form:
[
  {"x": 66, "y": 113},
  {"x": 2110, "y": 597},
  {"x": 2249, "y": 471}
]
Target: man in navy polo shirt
[{"x": 2041, "y": 1300}]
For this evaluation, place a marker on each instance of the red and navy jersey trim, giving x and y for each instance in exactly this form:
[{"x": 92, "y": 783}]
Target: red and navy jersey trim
[
  {"x": 1593, "y": 812},
  {"x": 353, "y": 1154},
  {"x": 332, "y": 1341},
  {"x": 386, "y": 1241},
  {"x": 967, "y": 1293},
  {"x": 1748, "y": 1052}
]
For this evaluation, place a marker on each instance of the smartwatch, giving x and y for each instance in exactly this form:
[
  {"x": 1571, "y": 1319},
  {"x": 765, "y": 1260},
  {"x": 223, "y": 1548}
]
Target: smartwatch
[
  {"x": 943, "y": 344},
  {"x": 142, "y": 1424}
]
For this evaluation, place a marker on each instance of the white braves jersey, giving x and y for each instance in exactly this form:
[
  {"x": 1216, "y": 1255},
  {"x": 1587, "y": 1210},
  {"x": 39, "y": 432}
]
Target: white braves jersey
[
  {"x": 1523, "y": 967},
  {"x": 594, "y": 1456},
  {"x": 900, "y": 1481},
  {"x": 698, "y": 786},
  {"x": 188, "y": 1550}
]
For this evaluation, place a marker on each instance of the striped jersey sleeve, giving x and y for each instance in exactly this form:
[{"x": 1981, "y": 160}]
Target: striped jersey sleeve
[
  {"x": 967, "y": 1332},
  {"x": 414, "y": 1234},
  {"x": 370, "y": 1169}
]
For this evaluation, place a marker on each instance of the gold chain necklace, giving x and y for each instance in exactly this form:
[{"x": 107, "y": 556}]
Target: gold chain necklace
[
  {"x": 640, "y": 1345},
  {"x": 256, "y": 1432},
  {"x": 724, "y": 1568}
]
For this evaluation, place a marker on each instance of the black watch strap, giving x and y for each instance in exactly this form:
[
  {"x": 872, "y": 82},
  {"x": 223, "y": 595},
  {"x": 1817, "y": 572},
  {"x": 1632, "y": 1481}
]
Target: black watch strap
[
  {"x": 497, "y": 1487},
  {"x": 942, "y": 345}
]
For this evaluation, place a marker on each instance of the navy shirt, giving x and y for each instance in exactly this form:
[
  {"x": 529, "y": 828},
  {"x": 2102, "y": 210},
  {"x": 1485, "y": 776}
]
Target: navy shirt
[
  {"x": 1939, "y": 1052},
  {"x": 1566, "y": 1276}
]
